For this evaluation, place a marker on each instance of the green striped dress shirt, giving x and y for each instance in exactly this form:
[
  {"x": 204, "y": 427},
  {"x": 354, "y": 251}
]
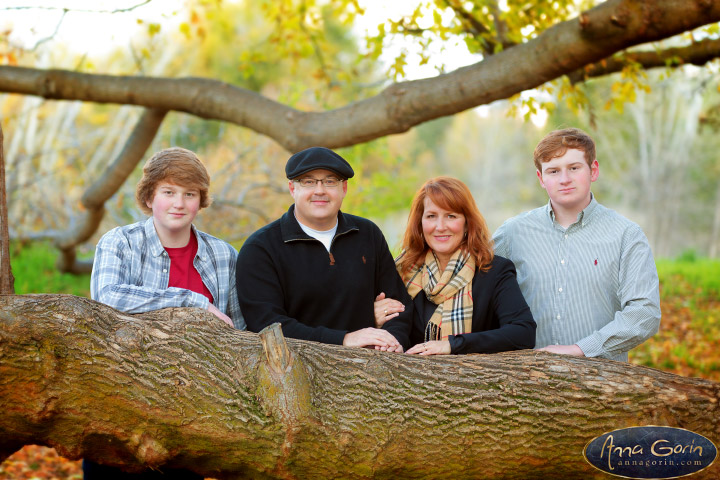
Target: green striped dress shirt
[{"x": 593, "y": 284}]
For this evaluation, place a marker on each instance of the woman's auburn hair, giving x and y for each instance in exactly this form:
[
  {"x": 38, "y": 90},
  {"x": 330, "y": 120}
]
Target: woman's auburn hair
[{"x": 453, "y": 195}]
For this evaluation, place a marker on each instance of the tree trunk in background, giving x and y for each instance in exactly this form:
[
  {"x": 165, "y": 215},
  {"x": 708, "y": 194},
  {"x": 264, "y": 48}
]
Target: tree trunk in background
[
  {"x": 666, "y": 127},
  {"x": 715, "y": 236},
  {"x": 7, "y": 281},
  {"x": 179, "y": 388}
]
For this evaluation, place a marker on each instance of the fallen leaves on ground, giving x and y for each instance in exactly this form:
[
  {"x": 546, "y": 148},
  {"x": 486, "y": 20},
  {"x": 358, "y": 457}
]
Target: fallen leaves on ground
[
  {"x": 33, "y": 462},
  {"x": 687, "y": 343}
]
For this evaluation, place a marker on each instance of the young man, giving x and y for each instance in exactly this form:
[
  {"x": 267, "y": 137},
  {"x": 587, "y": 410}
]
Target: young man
[
  {"x": 165, "y": 261},
  {"x": 317, "y": 270},
  {"x": 587, "y": 272}
]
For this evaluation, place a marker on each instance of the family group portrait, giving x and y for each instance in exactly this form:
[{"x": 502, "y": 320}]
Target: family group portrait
[{"x": 356, "y": 239}]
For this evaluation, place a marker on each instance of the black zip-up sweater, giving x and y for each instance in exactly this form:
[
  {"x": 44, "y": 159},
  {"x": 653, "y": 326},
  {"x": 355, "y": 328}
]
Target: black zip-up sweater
[{"x": 286, "y": 276}]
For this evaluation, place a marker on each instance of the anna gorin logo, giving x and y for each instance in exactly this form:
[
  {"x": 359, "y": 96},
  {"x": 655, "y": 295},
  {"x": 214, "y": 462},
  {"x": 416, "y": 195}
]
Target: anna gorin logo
[{"x": 650, "y": 452}]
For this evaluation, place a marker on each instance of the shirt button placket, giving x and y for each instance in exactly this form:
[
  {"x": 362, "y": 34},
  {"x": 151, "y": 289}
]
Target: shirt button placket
[{"x": 560, "y": 282}]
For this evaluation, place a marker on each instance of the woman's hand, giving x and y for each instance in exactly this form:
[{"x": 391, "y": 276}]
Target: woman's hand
[
  {"x": 386, "y": 309},
  {"x": 436, "y": 347}
]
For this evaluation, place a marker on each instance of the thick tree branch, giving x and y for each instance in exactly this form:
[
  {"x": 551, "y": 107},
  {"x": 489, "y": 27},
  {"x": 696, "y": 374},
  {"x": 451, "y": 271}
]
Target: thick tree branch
[
  {"x": 598, "y": 33},
  {"x": 94, "y": 198},
  {"x": 698, "y": 53},
  {"x": 179, "y": 388},
  {"x": 132, "y": 153}
]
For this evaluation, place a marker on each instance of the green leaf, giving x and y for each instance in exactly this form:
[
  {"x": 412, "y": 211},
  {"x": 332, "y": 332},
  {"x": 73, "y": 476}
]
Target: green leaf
[{"x": 153, "y": 29}]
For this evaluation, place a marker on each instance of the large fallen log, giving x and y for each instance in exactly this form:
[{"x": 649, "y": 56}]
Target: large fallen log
[{"x": 179, "y": 388}]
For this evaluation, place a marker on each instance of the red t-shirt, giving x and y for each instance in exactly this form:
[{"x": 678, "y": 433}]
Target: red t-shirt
[{"x": 182, "y": 271}]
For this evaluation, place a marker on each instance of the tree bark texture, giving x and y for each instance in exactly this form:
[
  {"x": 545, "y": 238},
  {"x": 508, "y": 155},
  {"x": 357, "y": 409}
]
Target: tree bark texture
[
  {"x": 611, "y": 27},
  {"x": 179, "y": 388},
  {"x": 7, "y": 281}
]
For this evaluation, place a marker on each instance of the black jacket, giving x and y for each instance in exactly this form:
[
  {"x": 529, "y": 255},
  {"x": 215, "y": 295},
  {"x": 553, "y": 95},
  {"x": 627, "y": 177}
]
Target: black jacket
[
  {"x": 285, "y": 276},
  {"x": 501, "y": 317}
]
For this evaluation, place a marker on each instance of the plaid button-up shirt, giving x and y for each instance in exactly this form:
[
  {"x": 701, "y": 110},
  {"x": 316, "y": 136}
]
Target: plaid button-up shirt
[{"x": 131, "y": 272}]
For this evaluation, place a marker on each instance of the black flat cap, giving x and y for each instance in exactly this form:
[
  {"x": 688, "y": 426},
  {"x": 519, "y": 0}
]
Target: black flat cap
[{"x": 315, "y": 158}]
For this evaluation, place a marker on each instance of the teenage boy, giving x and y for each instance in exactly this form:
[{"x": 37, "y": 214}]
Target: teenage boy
[
  {"x": 317, "y": 270},
  {"x": 587, "y": 272},
  {"x": 165, "y": 261}
]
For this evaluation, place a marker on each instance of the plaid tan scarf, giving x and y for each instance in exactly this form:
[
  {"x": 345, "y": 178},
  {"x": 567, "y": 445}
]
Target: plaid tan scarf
[{"x": 451, "y": 292}]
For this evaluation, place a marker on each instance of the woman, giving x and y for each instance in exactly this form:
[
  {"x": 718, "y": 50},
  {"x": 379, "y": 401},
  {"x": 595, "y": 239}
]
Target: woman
[{"x": 466, "y": 300}]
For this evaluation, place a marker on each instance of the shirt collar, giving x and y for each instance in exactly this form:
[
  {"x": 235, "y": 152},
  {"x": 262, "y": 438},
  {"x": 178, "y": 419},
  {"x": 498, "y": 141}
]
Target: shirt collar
[
  {"x": 583, "y": 217},
  {"x": 291, "y": 229},
  {"x": 156, "y": 247}
]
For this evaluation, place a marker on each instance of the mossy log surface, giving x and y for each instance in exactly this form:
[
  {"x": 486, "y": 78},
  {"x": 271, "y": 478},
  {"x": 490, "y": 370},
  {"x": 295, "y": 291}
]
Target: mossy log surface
[{"x": 179, "y": 388}]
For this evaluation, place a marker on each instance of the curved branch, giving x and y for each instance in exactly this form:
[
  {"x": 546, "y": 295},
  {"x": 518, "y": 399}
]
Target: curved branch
[
  {"x": 568, "y": 46},
  {"x": 135, "y": 147},
  {"x": 698, "y": 53},
  {"x": 244, "y": 206},
  {"x": 105, "y": 187}
]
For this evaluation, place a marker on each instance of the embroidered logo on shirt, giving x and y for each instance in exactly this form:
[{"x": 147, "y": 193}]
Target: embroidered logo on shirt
[{"x": 596, "y": 261}]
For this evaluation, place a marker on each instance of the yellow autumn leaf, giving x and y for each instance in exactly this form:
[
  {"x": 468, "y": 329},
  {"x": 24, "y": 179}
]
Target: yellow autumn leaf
[{"x": 185, "y": 30}]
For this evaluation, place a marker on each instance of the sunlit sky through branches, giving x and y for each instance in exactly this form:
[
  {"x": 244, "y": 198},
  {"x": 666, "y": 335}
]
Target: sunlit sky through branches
[{"x": 87, "y": 27}]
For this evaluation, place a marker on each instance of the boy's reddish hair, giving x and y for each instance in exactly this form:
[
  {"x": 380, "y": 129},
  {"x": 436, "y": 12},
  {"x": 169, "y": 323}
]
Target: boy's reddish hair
[
  {"x": 557, "y": 142},
  {"x": 173, "y": 165}
]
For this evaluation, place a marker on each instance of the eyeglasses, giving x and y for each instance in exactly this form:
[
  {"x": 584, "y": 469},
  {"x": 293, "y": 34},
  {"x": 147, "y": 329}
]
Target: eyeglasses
[{"x": 309, "y": 182}]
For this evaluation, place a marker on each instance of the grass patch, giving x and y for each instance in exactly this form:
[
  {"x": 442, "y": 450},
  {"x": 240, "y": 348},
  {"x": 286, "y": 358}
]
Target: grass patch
[
  {"x": 34, "y": 269},
  {"x": 689, "y": 276}
]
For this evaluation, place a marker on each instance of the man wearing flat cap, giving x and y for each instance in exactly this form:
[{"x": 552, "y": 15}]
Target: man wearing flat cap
[{"x": 317, "y": 270}]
